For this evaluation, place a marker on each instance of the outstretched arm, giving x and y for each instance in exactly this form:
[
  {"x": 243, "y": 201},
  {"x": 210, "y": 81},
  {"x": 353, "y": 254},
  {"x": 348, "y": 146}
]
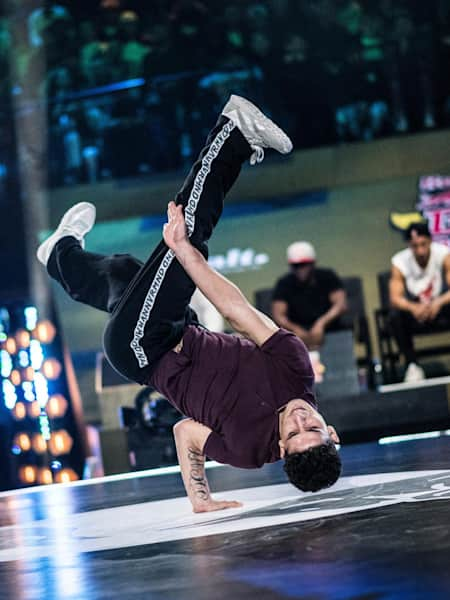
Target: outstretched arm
[
  {"x": 226, "y": 297},
  {"x": 190, "y": 438}
]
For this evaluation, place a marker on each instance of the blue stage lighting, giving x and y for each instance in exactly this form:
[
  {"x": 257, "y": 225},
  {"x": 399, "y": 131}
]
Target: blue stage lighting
[
  {"x": 24, "y": 359},
  {"x": 31, "y": 317},
  {"x": 28, "y": 393},
  {"x": 36, "y": 354},
  {"x": 9, "y": 394},
  {"x": 6, "y": 364},
  {"x": 44, "y": 426},
  {"x": 41, "y": 389}
]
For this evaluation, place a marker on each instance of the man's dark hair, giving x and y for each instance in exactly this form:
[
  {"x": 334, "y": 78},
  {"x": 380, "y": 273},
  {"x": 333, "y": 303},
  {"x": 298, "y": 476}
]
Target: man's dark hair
[
  {"x": 316, "y": 468},
  {"x": 419, "y": 229}
]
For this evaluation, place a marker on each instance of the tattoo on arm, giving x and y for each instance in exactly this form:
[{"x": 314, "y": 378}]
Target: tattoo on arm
[{"x": 197, "y": 477}]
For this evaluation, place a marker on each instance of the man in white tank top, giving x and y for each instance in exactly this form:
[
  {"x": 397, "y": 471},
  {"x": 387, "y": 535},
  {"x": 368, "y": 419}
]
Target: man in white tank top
[{"x": 419, "y": 292}]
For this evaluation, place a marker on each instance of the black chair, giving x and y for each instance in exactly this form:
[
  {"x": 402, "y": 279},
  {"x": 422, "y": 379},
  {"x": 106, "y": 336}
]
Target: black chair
[
  {"x": 355, "y": 318},
  {"x": 389, "y": 355}
]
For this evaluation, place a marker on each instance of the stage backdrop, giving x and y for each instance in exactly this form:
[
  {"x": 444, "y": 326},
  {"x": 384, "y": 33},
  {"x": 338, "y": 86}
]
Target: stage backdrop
[{"x": 349, "y": 227}]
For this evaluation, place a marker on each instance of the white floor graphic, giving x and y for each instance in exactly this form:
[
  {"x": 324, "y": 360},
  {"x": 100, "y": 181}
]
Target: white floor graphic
[{"x": 60, "y": 533}]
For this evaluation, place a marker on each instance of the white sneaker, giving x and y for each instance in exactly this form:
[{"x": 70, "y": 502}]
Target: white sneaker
[
  {"x": 259, "y": 131},
  {"x": 414, "y": 373},
  {"x": 76, "y": 222}
]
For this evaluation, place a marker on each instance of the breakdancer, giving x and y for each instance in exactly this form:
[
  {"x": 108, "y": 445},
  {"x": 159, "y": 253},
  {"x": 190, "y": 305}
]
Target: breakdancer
[{"x": 249, "y": 399}]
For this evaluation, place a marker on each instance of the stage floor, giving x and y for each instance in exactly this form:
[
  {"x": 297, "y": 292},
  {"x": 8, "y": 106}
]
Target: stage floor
[{"x": 383, "y": 532}]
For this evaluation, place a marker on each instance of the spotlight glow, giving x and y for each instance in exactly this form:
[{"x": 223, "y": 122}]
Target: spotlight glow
[
  {"x": 22, "y": 440},
  {"x": 56, "y": 406},
  {"x": 51, "y": 367},
  {"x": 29, "y": 371},
  {"x": 28, "y": 374},
  {"x": 9, "y": 394},
  {"x": 36, "y": 355},
  {"x": 34, "y": 410},
  {"x": 45, "y": 332},
  {"x": 15, "y": 377},
  {"x": 44, "y": 426},
  {"x": 6, "y": 363},
  {"x": 41, "y": 389},
  {"x": 38, "y": 443},
  {"x": 28, "y": 474},
  {"x": 44, "y": 476},
  {"x": 31, "y": 317},
  {"x": 60, "y": 442},
  {"x": 10, "y": 345},
  {"x": 28, "y": 393},
  {"x": 19, "y": 411},
  {"x": 66, "y": 476},
  {"x": 24, "y": 359},
  {"x": 22, "y": 338}
]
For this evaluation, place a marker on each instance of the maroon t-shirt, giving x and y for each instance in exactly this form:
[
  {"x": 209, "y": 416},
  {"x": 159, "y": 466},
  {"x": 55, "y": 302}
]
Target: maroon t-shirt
[{"x": 236, "y": 388}]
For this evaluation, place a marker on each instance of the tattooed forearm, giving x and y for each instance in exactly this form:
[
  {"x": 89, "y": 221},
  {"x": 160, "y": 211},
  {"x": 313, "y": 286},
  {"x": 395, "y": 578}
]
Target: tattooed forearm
[{"x": 197, "y": 479}]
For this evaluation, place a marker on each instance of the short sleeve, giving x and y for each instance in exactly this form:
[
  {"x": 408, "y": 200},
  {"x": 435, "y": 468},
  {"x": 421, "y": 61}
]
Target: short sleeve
[
  {"x": 442, "y": 251},
  {"x": 332, "y": 281},
  {"x": 216, "y": 449},
  {"x": 281, "y": 290},
  {"x": 399, "y": 261},
  {"x": 290, "y": 358}
]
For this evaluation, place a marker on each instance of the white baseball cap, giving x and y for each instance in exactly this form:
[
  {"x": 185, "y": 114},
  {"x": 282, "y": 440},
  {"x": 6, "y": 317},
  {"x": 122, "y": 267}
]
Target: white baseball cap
[{"x": 300, "y": 252}]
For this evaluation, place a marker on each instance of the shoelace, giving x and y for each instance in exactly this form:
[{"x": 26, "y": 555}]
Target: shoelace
[{"x": 257, "y": 156}]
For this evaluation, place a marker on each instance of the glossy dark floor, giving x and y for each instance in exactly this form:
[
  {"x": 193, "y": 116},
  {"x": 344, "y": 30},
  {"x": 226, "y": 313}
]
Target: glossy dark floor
[{"x": 381, "y": 533}]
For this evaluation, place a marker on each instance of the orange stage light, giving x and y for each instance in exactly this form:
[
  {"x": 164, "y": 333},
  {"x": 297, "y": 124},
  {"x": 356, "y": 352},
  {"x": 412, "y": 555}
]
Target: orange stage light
[
  {"x": 56, "y": 406},
  {"x": 23, "y": 441},
  {"x": 60, "y": 442},
  {"x": 38, "y": 443},
  {"x": 44, "y": 476},
  {"x": 28, "y": 474},
  {"x": 15, "y": 377},
  {"x": 28, "y": 374},
  {"x": 10, "y": 346},
  {"x": 34, "y": 409},
  {"x": 51, "y": 368},
  {"x": 22, "y": 338},
  {"x": 65, "y": 476},
  {"x": 19, "y": 411},
  {"x": 44, "y": 332}
]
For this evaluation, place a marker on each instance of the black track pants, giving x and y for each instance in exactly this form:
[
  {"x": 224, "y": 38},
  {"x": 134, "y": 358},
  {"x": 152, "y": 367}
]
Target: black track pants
[{"x": 149, "y": 303}]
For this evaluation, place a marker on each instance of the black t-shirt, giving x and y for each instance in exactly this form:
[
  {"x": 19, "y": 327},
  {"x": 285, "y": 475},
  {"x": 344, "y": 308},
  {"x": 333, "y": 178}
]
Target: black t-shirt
[{"x": 307, "y": 301}]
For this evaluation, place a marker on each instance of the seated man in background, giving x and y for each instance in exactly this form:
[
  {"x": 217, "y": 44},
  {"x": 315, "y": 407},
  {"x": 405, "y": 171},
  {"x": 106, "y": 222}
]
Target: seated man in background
[
  {"x": 308, "y": 300},
  {"x": 416, "y": 293}
]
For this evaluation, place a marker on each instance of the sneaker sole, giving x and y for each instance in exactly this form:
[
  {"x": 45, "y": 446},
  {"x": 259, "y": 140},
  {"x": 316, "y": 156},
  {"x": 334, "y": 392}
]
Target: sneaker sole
[
  {"x": 56, "y": 235},
  {"x": 245, "y": 105}
]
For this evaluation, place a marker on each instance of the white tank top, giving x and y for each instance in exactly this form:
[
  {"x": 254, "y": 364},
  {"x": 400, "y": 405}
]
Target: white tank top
[{"x": 426, "y": 283}]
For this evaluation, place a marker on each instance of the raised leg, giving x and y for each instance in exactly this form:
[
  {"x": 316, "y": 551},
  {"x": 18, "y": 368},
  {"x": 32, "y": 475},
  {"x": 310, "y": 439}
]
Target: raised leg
[
  {"x": 93, "y": 279},
  {"x": 154, "y": 311}
]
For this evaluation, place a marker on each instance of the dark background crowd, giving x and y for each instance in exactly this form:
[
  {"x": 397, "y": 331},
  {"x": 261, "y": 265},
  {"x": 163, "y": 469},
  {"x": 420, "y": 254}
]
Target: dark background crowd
[{"x": 131, "y": 87}]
